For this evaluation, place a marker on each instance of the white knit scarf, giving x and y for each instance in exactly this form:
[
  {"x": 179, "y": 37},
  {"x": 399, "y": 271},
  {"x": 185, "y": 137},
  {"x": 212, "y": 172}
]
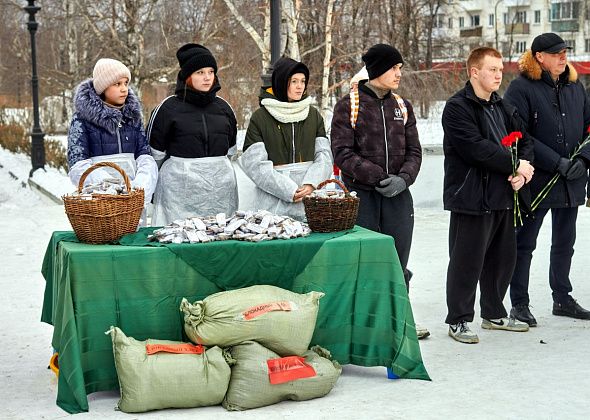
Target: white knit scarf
[{"x": 287, "y": 112}]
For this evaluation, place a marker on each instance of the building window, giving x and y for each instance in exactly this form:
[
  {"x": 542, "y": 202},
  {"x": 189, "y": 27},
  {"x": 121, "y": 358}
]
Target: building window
[
  {"x": 438, "y": 21},
  {"x": 537, "y": 16},
  {"x": 567, "y": 10},
  {"x": 520, "y": 17},
  {"x": 571, "y": 43},
  {"x": 474, "y": 20},
  {"x": 506, "y": 20},
  {"x": 491, "y": 20},
  {"x": 587, "y": 45},
  {"x": 520, "y": 46},
  {"x": 461, "y": 22},
  {"x": 450, "y": 23}
]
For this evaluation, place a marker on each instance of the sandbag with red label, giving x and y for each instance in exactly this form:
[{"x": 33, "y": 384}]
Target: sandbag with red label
[
  {"x": 279, "y": 319},
  {"x": 156, "y": 374},
  {"x": 261, "y": 377}
]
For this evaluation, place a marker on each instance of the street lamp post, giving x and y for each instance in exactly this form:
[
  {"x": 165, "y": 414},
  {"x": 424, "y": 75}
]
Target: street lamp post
[
  {"x": 37, "y": 146},
  {"x": 275, "y": 39}
]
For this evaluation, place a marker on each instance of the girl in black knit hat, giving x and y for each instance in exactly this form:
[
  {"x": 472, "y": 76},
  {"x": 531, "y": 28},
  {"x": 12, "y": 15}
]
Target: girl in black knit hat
[
  {"x": 191, "y": 134},
  {"x": 286, "y": 151}
]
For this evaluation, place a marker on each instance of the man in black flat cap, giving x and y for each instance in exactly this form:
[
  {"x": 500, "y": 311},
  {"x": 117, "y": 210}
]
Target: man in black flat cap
[{"x": 555, "y": 108}]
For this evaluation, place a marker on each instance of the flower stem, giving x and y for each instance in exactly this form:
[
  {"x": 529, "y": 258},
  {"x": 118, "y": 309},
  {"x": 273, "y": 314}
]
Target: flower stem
[{"x": 543, "y": 193}]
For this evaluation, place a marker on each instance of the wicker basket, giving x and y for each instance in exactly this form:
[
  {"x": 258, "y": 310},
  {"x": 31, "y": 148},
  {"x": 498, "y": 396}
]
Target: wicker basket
[
  {"x": 331, "y": 214},
  {"x": 104, "y": 217}
]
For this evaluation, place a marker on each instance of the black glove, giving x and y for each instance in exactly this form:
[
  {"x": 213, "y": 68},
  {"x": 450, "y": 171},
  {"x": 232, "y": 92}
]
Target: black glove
[
  {"x": 563, "y": 166},
  {"x": 576, "y": 170},
  {"x": 391, "y": 186}
]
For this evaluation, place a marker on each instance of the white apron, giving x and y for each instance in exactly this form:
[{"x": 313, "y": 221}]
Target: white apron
[
  {"x": 125, "y": 160},
  {"x": 296, "y": 172},
  {"x": 190, "y": 187}
]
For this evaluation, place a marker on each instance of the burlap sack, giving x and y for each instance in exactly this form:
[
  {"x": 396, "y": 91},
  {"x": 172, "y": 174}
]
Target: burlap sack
[
  {"x": 167, "y": 380},
  {"x": 281, "y": 320},
  {"x": 250, "y": 386}
]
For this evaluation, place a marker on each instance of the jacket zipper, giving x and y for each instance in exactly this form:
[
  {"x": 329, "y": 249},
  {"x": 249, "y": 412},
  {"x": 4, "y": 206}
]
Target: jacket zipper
[
  {"x": 293, "y": 140},
  {"x": 206, "y": 135},
  {"x": 385, "y": 137},
  {"x": 119, "y": 125},
  {"x": 562, "y": 135}
]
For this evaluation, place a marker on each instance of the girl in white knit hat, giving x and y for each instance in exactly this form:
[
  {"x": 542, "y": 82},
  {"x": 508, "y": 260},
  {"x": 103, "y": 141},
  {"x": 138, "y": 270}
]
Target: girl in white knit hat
[{"x": 107, "y": 126}]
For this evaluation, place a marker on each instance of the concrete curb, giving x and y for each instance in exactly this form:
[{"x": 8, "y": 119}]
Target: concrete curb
[
  {"x": 432, "y": 149},
  {"x": 44, "y": 191}
]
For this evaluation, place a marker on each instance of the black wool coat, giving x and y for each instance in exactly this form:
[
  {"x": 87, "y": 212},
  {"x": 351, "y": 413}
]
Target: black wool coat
[{"x": 556, "y": 115}]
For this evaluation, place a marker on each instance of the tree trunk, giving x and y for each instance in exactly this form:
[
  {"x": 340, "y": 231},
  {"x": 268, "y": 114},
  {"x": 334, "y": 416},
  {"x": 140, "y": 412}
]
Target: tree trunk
[{"x": 325, "y": 99}]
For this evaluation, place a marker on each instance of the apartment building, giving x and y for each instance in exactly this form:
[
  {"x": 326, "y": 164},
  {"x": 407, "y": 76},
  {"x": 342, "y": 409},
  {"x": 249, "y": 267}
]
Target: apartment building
[{"x": 510, "y": 26}]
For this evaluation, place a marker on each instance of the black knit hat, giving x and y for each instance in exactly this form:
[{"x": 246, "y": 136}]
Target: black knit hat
[
  {"x": 283, "y": 69},
  {"x": 193, "y": 57},
  {"x": 548, "y": 42},
  {"x": 380, "y": 58}
]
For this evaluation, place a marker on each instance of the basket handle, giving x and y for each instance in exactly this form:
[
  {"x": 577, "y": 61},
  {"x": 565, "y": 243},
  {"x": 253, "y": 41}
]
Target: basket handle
[
  {"x": 336, "y": 181},
  {"x": 99, "y": 165}
]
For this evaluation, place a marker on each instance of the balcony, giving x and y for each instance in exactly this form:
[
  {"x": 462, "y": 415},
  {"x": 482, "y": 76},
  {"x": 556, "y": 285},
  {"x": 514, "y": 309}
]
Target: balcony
[
  {"x": 474, "y": 31},
  {"x": 471, "y": 5},
  {"x": 517, "y": 3},
  {"x": 565, "y": 26},
  {"x": 517, "y": 29}
]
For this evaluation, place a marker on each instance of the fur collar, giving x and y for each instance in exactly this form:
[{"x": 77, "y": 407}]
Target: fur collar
[
  {"x": 287, "y": 112},
  {"x": 531, "y": 69},
  {"x": 90, "y": 107}
]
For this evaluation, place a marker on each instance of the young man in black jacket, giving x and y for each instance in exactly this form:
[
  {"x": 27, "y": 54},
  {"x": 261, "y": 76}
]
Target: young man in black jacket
[
  {"x": 556, "y": 111},
  {"x": 479, "y": 191}
]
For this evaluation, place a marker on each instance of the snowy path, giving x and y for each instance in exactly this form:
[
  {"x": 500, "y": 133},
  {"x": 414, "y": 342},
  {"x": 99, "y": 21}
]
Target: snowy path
[{"x": 507, "y": 375}]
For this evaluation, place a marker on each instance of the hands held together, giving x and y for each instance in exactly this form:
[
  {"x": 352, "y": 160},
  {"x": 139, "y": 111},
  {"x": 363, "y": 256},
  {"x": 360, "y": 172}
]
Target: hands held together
[
  {"x": 524, "y": 174},
  {"x": 391, "y": 186}
]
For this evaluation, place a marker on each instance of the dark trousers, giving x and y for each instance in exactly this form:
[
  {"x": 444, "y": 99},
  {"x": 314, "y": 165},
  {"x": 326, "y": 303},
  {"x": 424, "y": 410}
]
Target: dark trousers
[
  {"x": 480, "y": 248},
  {"x": 563, "y": 237},
  {"x": 391, "y": 216}
]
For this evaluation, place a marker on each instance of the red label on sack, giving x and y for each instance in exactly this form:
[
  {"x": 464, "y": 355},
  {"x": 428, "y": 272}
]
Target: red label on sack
[
  {"x": 182, "y": 348},
  {"x": 255, "y": 311},
  {"x": 288, "y": 368}
]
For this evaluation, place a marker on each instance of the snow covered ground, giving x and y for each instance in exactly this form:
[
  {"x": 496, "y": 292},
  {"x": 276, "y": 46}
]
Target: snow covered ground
[{"x": 541, "y": 374}]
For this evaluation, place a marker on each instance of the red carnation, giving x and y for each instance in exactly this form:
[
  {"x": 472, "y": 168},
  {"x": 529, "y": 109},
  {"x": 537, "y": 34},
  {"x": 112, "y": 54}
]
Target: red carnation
[{"x": 508, "y": 140}]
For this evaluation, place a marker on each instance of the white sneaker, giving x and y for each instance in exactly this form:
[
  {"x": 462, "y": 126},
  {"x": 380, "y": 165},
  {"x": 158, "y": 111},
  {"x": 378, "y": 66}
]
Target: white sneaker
[
  {"x": 422, "y": 332},
  {"x": 462, "y": 333},
  {"x": 507, "y": 324}
]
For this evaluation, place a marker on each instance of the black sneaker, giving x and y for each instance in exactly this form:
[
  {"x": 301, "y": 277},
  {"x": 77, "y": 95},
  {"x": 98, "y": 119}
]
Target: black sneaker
[
  {"x": 570, "y": 308},
  {"x": 522, "y": 313}
]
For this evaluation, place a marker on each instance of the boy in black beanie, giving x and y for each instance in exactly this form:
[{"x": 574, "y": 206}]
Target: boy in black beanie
[{"x": 375, "y": 143}]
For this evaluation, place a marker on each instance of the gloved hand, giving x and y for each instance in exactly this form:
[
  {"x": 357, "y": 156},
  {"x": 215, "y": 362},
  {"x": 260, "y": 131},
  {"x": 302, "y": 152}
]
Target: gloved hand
[
  {"x": 563, "y": 166},
  {"x": 391, "y": 186},
  {"x": 576, "y": 170}
]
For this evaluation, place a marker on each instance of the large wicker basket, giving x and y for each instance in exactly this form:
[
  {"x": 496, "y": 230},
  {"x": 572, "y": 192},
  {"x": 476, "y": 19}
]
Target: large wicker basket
[
  {"x": 104, "y": 217},
  {"x": 331, "y": 214}
]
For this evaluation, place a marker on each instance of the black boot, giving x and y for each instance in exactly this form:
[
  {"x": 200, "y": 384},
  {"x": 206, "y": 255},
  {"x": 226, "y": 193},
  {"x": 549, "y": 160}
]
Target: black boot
[
  {"x": 522, "y": 313},
  {"x": 570, "y": 308}
]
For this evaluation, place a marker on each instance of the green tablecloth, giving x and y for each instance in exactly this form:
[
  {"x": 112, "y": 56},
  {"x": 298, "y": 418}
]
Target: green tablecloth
[{"x": 364, "y": 319}]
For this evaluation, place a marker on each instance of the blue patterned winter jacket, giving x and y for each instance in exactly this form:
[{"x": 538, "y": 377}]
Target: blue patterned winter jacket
[{"x": 98, "y": 130}]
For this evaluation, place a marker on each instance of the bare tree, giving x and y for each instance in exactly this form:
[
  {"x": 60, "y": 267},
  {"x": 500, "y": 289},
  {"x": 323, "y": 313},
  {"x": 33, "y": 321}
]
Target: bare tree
[{"x": 327, "y": 57}]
